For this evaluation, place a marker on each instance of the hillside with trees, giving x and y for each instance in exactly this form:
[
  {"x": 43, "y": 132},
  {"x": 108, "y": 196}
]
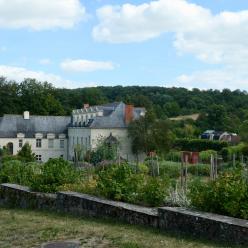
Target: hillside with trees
[{"x": 220, "y": 110}]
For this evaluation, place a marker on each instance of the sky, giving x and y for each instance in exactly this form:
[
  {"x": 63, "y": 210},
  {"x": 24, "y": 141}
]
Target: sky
[{"x": 84, "y": 43}]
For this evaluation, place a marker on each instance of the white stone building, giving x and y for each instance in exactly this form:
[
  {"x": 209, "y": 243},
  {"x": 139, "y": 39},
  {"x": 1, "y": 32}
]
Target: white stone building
[{"x": 58, "y": 136}]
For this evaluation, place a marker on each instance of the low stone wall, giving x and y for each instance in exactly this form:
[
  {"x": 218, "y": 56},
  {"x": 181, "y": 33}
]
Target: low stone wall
[
  {"x": 179, "y": 220},
  {"x": 19, "y": 196},
  {"x": 82, "y": 204},
  {"x": 202, "y": 224}
]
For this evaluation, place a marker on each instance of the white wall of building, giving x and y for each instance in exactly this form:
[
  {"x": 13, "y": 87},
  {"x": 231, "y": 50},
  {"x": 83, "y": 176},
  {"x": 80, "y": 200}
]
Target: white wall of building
[
  {"x": 89, "y": 139},
  {"x": 44, "y": 150}
]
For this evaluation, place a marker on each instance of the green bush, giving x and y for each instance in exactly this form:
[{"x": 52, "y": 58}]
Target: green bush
[
  {"x": 198, "y": 145},
  {"x": 120, "y": 182},
  {"x": 55, "y": 173},
  {"x": 17, "y": 172},
  {"x": 205, "y": 156},
  {"x": 155, "y": 191},
  {"x": 25, "y": 154},
  {"x": 199, "y": 169},
  {"x": 225, "y": 154},
  {"x": 174, "y": 156},
  {"x": 170, "y": 169},
  {"x": 227, "y": 195}
]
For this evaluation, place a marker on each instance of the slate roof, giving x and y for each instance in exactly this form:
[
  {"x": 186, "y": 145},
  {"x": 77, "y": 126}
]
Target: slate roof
[
  {"x": 10, "y": 125},
  {"x": 113, "y": 116}
]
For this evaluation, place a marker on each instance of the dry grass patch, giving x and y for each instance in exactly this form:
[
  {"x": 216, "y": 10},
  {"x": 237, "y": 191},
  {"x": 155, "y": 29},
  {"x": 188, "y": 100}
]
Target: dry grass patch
[{"x": 28, "y": 229}]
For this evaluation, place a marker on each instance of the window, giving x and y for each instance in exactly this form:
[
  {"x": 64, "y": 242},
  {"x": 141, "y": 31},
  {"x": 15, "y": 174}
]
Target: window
[
  {"x": 38, "y": 142},
  {"x": 20, "y": 143},
  {"x": 50, "y": 143},
  {"x": 38, "y": 157},
  {"x": 62, "y": 144}
]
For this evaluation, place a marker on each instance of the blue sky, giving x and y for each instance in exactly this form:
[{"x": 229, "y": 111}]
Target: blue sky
[{"x": 79, "y": 43}]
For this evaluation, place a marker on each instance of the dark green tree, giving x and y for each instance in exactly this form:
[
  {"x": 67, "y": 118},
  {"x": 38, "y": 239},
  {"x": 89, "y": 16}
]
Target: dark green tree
[{"x": 26, "y": 154}]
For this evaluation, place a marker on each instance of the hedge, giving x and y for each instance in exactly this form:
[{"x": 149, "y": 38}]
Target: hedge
[{"x": 198, "y": 145}]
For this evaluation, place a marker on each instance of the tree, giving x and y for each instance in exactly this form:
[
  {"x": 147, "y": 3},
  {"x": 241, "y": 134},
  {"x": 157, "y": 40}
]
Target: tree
[
  {"x": 26, "y": 154},
  {"x": 149, "y": 134},
  {"x": 243, "y": 131}
]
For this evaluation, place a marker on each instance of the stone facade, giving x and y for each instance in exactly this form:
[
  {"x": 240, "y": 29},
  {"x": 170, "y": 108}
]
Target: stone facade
[
  {"x": 179, "y": 220},
  {"x": 58, "y": 136}
]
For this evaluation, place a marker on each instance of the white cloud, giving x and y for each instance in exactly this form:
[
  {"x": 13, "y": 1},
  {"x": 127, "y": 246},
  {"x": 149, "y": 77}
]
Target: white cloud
[
  {"x": 81, "y": 65},
  {"x": 20, "y": 73},
  {"x": 220, "y": 39},
  {"x": 135, "y": 23},
  {"x": 40, "y": 14},
  {"x": 45, "y": 61},
  {"x": 231, "y": 78}
]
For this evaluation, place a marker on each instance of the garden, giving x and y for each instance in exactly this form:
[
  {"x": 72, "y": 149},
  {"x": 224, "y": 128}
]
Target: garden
[{"x": 154, "y": 182}]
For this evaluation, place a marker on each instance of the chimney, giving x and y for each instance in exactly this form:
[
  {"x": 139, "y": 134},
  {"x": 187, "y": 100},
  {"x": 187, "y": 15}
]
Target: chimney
[
  {"x": 26, "y": 115},
  {"x": 86, "y": 105},
  {"x": 129, "y": 109}
]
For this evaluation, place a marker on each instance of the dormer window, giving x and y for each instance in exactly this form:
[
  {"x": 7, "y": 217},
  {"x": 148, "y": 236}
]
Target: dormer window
[{"x": 20, "y": 135}]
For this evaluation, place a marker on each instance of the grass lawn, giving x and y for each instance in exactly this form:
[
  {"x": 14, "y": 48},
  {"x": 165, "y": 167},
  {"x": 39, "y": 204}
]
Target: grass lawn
[{"x": 25, "y": 228}]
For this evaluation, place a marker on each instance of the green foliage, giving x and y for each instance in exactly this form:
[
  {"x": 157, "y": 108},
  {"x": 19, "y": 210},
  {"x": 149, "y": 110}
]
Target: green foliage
[
  {"x": 170, "y": 169},
  {"x": 149, "y": 134},
  {"x": 205, "y": 156},
  {"x": 54, "y": 173},
  {"x": 198, "y": 145},
  {"x": 18, "y": 172},
  {"x": 155, "y": 191},
  {"x": 174, "y": 156},
  {"x": 103, "y": 152},
  {"x": 227, "y": 195},
  {"x": 225, "y": 154},
  {"x": 123, "y": 184},
  {"x": 118, "y": 183},
  {"x": 25, "y": 154},
  {"x": 243, "y": 131},
  {"x": 199, "y": 170}
]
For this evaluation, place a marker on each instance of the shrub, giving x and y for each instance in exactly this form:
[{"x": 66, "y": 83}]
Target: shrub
[
  {"x": 205, "y": 156},
  {"x": 155, "y": 191},
  {"x": 199, "y": 170},
  {"x": 227, "y": 195},
  {"x": 225, "y": 154},
  {"x": 123, "y": 184},
  {"x": 25, "y": 154},
  {"x": 118, "y": 183},
  {"x": 174, "y": 156},
  {"x": 54, "y": 173},
  {"x": 18, "y": 172},
  {"x": 170, "y": 169},
  {"x": 198, "y": 145}
]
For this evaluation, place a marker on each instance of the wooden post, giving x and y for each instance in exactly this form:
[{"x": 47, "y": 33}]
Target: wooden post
[
  {"x": 234, "y": 160},
  {"x": 158, "y": 166},
  {"x": 211, "y": 167},
  {"x": 182, "y": 170}
]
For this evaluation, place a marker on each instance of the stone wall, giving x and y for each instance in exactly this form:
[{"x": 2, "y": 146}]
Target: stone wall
[
  {"x": 81, "y": 204},
  {"x": 206, "y": 225},
  {"x": 179, "y": 220}
]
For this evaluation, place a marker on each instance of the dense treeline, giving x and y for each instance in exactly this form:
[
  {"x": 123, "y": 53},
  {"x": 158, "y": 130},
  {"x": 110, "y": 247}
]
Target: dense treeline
[{"x": 220, "y": 110}]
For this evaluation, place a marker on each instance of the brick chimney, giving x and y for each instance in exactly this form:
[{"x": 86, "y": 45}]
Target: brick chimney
[
  {"x": 129, "y": 109},
  {"x": 86, "y": 105}
]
